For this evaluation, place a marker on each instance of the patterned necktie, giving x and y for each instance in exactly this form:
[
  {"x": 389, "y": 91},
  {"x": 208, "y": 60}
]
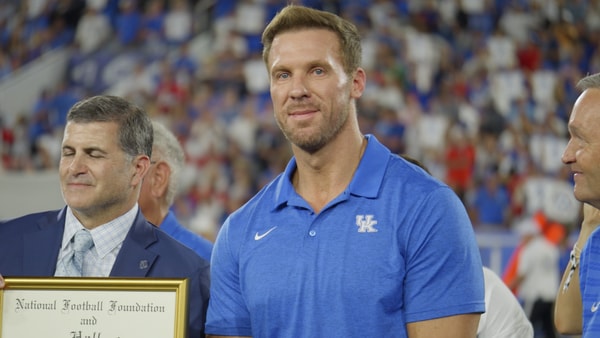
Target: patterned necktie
[{"x": 82, "y": 243}]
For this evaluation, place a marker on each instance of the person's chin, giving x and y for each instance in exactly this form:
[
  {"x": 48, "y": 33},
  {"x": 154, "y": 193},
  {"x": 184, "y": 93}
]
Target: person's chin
[
  {"x": 76, "y": 201},
  {"x": 582, "y": 196}
]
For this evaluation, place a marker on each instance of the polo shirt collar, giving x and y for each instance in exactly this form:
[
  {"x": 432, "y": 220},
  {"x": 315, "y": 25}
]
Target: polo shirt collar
[{"x": 366, "y": 182}]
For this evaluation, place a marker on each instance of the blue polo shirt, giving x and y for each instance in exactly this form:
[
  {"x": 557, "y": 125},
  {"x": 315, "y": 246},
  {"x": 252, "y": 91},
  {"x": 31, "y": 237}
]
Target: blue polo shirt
[
  {"x": 395, "y": 247},
  {"x": 589, "y": 277},
  {"x": 201, "y": 245}
]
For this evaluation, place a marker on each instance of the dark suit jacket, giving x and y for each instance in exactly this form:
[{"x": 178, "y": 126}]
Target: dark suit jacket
[{"x": 29, "y": 247}]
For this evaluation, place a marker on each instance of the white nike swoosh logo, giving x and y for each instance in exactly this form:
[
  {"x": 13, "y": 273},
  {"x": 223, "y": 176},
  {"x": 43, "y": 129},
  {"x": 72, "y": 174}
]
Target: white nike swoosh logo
[
  {"x": 258, "y": 237},
  {"x": 595, "y": 307}
]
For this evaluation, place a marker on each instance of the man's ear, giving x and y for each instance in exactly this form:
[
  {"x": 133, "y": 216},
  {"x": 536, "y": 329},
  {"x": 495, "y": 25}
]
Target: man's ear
[
  {"x": 160, "y": 178},
  {"x": 141, "y": 166}
]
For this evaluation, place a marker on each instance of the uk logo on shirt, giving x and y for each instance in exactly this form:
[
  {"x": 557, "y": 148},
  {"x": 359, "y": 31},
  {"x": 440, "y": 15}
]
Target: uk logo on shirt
[{"x": 366, "y": 223}]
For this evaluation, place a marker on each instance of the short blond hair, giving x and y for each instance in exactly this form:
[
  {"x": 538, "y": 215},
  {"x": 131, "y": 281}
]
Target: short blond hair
[{"x": 294, "y": 18}]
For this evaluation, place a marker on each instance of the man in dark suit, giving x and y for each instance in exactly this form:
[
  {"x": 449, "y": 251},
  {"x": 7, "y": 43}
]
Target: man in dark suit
[{"x": 106, "y": 152}]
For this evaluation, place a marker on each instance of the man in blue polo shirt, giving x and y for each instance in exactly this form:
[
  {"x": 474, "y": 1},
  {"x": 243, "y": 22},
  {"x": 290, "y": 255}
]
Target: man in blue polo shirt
[
  {"x": 578, "y": 297},
  {"x": 160, "y": 187},
  {"x": 350, "y": 240}
]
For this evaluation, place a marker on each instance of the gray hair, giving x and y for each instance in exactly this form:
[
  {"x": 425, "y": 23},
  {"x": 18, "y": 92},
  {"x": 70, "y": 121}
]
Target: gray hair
[
  {"x": 168, "y": 149},
  {"x": 590, "y": 81},
  {"x": 134, "y": 134}
]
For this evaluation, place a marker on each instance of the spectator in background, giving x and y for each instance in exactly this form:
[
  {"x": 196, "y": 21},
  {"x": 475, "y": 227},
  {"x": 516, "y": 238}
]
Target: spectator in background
[
  {"x": 138, "y": 86},
  {"x": 178, "y": 24},
  {"x": 489, "y": 203},
  {"x": 244, "y": 127},
  {"x": 184, "y": 64},
  {"x": 63, "y": 98},
  {"x": 459, "y": 158},
  {"x": 153, "y": 20},
  {"x": 128, "y": 23},
  {"x": 390, "y": 130},
  {"x": 501, "y": 50},
  {"x": 160, "y": 187},
  {"x": 537, "y": 276},
  {"x": 169, "y": 93},
  {"x": 93, "y": 30},
  {"x": 20, "y": 148}
]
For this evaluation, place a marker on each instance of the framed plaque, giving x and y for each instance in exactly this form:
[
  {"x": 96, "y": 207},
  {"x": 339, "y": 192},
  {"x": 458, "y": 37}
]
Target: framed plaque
[{"x": 62, "y": 307}]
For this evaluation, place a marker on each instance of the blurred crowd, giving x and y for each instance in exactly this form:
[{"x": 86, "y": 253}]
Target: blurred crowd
[{"x": 479, "y": 91}]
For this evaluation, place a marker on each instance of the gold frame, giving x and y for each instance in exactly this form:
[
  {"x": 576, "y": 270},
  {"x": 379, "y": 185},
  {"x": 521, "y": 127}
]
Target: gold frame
[{"x": 177, "y": 286}]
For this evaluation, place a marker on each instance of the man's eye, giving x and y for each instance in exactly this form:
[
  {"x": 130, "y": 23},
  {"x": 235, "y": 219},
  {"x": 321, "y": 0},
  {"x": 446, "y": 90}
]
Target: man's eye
[
  {"x": 283, "y": 75},
  {"x": 319, "y": 71}
]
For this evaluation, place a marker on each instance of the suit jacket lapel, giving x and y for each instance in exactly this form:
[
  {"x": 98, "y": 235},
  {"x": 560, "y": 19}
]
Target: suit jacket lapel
[
  {"x": 42, "y": 247},
  {"x": 134, "y": 260}
]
